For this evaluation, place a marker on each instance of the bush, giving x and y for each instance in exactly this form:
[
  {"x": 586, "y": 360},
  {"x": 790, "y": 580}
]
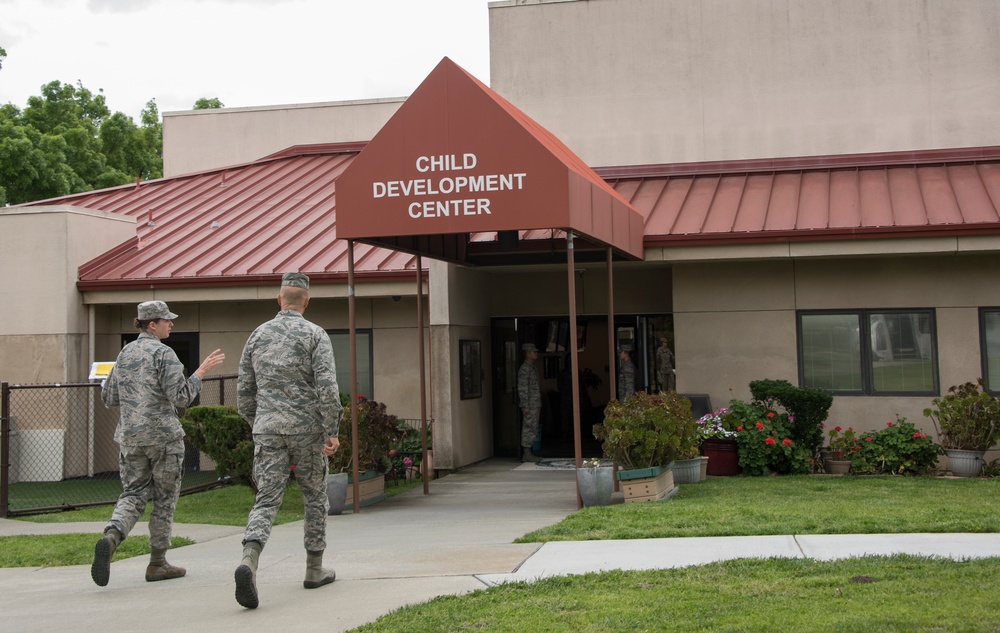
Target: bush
[
  {"x": 967, "y": 417},
  {"x": 223, "y": 435},
  {"x": 898, "y": 449},
  {"x": 766, "y": 445},
  {"x": 377, "y": 430},
  {"x": 807, "y": 407},
  {"x": 648, "y": 430}
]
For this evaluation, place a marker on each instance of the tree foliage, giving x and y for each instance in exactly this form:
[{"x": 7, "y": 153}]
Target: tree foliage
[
  {"x": 208, "y": 104},
  {"x": 66, "y": 141}
]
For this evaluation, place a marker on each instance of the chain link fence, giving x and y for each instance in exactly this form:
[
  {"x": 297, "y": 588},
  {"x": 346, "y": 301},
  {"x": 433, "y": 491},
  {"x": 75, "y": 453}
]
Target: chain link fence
[{"x": 57, "y": 448}]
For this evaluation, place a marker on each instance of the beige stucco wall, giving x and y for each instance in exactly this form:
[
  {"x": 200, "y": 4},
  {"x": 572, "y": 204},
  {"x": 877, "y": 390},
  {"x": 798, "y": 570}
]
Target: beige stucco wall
[
  {"x": 43, "y": 322},
  {"x": 735, "y": 321},
  {"x": 203, "y": 139},
  {"x": 661, "y": 81}
]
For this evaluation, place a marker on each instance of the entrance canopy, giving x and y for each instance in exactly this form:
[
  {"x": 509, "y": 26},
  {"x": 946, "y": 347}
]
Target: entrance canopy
[{"x": 460, "y": 174}]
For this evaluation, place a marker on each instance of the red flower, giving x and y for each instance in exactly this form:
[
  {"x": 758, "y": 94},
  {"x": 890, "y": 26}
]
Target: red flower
[
  {"x": 917, "y": 435},
  {"x": 786, "y": 441},
  {"x": 770, "y": 414},
  {"x": 888, "y": 423},
  {"x": 837, "y": 429},
  {"x": 769, "y": 441},
  {"x": 850, "y": 428},
  {"x": 868, "y": 439},
  {"x": 923, "y": 437},
  {"x": 739, "y": 428},
  {"x": 759, "y": 425}
]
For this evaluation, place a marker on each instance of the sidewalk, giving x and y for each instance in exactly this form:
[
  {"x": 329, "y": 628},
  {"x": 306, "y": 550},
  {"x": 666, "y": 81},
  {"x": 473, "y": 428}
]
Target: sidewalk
[{"x": 404, "y": 550}]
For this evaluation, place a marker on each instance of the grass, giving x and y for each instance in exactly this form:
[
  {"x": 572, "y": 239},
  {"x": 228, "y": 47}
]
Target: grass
[
  {"x": 899, "y": 593},
  {"x": 806, "y": 504},
  {"x": 55, "y": 550}
]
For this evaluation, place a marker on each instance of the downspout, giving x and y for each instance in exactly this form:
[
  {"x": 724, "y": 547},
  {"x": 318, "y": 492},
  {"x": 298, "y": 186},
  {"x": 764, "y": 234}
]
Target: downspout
[{"x": 91, "y": 359}]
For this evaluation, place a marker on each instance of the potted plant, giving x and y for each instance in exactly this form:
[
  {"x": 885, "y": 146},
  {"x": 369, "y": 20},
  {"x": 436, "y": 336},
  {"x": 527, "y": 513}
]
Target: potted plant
[
  {"x": 718, "y": 442},
  {"x": 376, "y": 432},
  {"x": 843, "y": 444},
  {"x": 644, "y": 434},
  {"x": 967, "y": 421},
  {"x": 595, "y": 483}
]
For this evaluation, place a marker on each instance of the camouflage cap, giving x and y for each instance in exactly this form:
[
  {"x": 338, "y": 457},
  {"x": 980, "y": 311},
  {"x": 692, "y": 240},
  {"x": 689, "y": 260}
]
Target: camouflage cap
[
  {"x": 626, "y": 347},
  {"x": 297, "y": 280},
  {"x": 529, "y": 347},
  {"x": 149, "y": 310}
]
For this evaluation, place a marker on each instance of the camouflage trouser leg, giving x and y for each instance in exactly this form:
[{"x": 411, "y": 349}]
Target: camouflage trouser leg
[
  {"x": 273, "y": 456},
  {"x": 149, "y": 473},
  {"x": 529, "y": 428}
]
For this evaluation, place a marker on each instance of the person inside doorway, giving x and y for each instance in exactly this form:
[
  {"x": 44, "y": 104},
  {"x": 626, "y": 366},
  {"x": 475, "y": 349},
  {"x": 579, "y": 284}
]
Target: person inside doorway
[
  {"x": 665, "y": 366},
  {"x": 529, "y": 397},
  {"x": 626, "y": 373}
]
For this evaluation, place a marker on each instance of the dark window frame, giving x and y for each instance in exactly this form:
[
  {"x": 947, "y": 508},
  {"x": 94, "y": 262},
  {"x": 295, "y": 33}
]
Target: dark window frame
[
  {"x": 864, "y": 318},
  {"x": 984, "y": 358},
  {"x": 346, "y": 388}
]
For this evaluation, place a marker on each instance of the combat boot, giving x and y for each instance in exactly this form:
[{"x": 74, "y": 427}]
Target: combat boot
[
  {"x": 100, "y": 570},
  {"x": 160, "y": 569},
  {"x": 316, "y": 576},
  {"x": 246, "y": 575}
]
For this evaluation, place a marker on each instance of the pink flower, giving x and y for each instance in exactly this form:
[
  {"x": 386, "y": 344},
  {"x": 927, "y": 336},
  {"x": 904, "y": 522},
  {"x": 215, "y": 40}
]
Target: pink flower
[
  {"x": 769, "y": 441},
  {"x": 407, "y": 462}
]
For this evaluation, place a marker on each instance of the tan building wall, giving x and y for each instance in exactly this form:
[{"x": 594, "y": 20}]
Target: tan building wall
[
  {"x": 43, "y": 323},
  {"x": 205, "y": 139},
  {"x": 661, "y": 81},
  {"x": 736, "y": 321}
]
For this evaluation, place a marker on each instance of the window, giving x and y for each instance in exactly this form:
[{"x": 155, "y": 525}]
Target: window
[
  {"x": 989, "y": 337},
  {"x": 341, "y": 340},
  {"x": 873, "y": 352}
]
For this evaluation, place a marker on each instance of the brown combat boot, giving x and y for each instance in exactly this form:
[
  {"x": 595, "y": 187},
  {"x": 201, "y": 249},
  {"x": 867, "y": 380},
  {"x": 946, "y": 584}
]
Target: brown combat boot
[
  {"x": 104, "y": 550},
  {"x": 160, "y": 569},
  {"x": 246, "y": 575}
]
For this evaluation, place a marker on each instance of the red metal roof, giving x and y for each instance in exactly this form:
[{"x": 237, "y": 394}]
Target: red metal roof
[
  {"x": 279, "y": 213},
  {"x": 906, "y": 194}
]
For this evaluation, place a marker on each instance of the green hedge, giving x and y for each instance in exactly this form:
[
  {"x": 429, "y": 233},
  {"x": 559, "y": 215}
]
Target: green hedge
[{"x": 223, "y": 435}]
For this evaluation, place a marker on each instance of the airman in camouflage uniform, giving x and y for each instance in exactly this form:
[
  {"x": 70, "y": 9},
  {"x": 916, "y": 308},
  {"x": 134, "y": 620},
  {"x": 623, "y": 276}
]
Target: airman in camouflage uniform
[
  {"x": 148, "y": 384},
  {"x": 626, "y": 374},
  {"x": 287, "y": 391},
  {"x": 665, "y": 366},
  {"x": 529, "y": 397}
]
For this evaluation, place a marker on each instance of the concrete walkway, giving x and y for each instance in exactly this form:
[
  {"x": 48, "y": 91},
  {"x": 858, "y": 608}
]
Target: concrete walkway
[{"x": 405, "y": 550}]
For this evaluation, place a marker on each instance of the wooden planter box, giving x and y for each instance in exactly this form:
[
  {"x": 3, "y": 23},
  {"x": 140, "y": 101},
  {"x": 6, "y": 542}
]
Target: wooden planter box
[
  {"x": 646, "y": 484},
  {"x": 372, "y": 485}
]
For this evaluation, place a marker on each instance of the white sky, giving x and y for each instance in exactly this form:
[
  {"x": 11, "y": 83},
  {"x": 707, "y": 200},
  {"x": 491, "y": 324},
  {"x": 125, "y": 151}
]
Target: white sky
[{"x": 245, "y": 52}]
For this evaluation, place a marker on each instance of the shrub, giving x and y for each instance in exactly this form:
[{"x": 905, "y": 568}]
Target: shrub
[
  {"x": 765, "y": 445},
  {"x": 898, "y": 449},
  {"x": 377, "y": 430},
  {"x": 807, "y": 407},
  {"x": 223, "y": 435},
  {"x": 648, "y": 430},
  {"x": 967, "y": 417}
]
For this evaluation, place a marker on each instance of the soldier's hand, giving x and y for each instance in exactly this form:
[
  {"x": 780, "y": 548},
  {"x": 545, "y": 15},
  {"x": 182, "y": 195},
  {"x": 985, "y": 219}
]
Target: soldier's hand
[
  {"x": 331, "y": 446},
  {"x": 211, "y": 361}
]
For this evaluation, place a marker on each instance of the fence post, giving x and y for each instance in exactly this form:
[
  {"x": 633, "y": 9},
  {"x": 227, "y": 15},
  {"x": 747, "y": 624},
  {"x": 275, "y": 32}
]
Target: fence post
[
  {"x": 4, "y": 447},
  {"x": 222, "y": 390}
]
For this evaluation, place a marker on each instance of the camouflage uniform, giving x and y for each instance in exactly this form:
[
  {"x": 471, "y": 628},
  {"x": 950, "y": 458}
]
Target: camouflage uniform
[
  {"x": 287, "y": 391},
  {"x": 148, "y": 384},
  {"x": 530, "y": 397},
  {"x": 626, "y": 380},
  {"x": 665, "y": 368}
]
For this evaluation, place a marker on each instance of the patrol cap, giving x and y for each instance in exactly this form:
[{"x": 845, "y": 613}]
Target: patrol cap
[
  {"x": 529, "y": 347},
  {"x": 626, "y": 347},
  {"x": 663, "y": 339},
  {"x": 296, "y": 280},
  {"x": 150, "y": 310}
]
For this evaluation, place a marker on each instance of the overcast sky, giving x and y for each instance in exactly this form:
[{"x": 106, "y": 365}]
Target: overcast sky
[{"x": 245, "y": 52}]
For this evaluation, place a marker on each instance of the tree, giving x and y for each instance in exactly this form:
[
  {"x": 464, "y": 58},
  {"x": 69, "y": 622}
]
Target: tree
[
  {"x": 3, "y": 56},
  {"x": 208, "y": 104},
  {"x": 67, "y": 141}
]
